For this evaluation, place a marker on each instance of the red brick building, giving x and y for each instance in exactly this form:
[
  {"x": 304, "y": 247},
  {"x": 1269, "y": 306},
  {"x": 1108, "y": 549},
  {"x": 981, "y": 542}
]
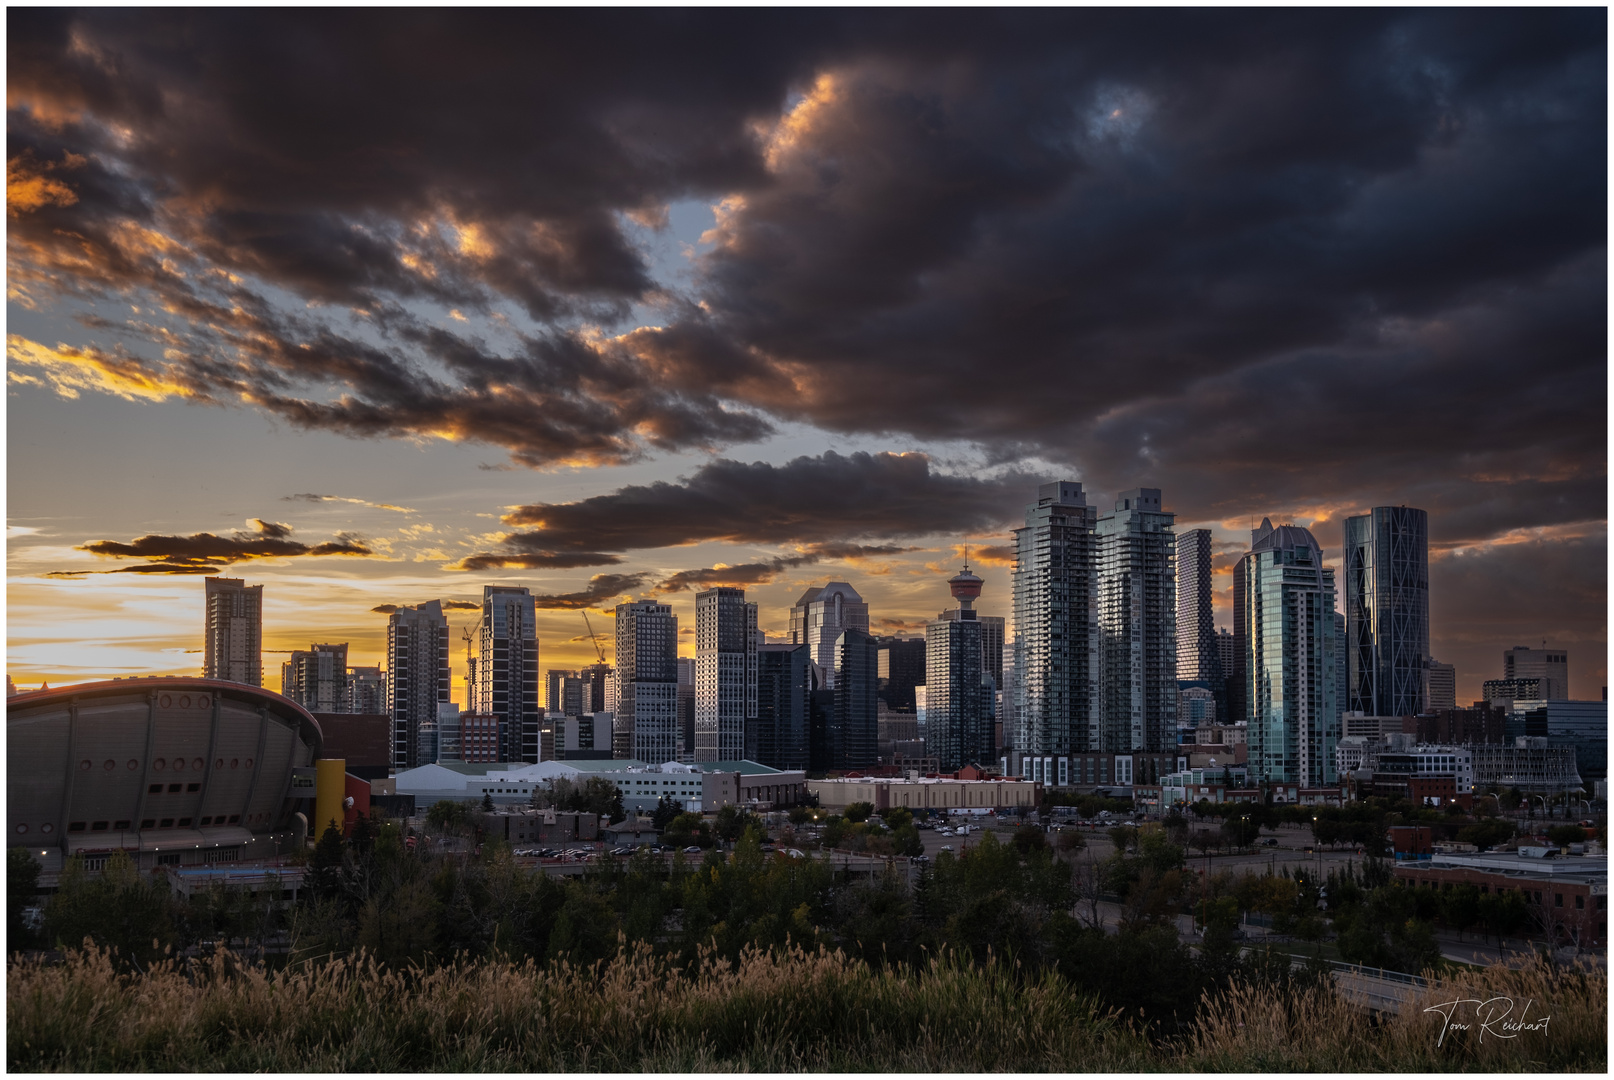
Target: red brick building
[{"x": 1567, "y": 897}]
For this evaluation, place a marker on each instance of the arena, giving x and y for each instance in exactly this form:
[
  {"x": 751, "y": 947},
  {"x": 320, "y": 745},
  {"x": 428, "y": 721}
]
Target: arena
[{"x": 173, "y": 771}]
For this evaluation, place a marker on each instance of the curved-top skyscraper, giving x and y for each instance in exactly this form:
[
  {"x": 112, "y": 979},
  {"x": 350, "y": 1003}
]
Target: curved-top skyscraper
[{"x": 1387, "y": 611}]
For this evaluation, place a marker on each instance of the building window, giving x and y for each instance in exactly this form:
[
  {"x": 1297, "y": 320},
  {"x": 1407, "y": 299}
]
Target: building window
[
  {"x": 175, "y": 787},
  {"x": 193, "y": 787},
  {"x": 1557, "y": 899},
  {"x": 120, "y": 824},
  {"x": 1580, "y": 903},
  {"x": 148, "y": 823},
  {"x": 168, "y": 860},
  {"x": 75, "y": 826},
  {"x": 166, "y": 823}
]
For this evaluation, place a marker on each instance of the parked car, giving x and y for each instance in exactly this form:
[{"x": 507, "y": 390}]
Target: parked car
[
  {"x": 947, "y": 847},
  {"x": 693, "y": 849},
  {"x": 1271, "y": 841}
]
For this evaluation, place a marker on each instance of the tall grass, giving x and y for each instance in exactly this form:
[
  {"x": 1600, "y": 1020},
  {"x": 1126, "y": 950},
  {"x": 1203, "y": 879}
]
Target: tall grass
[{"x": 772, "y": 1011}]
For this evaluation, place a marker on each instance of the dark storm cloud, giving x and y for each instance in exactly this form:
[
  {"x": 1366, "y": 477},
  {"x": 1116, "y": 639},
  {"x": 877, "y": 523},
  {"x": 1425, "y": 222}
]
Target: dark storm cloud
[
  {"x": 1269, "y": 261},
  {"x": 759, "y": 573},
  {"x": 825, "y": 503},
  {"x": 200, "y": 551},
  {"x": 601, "y": 587}
]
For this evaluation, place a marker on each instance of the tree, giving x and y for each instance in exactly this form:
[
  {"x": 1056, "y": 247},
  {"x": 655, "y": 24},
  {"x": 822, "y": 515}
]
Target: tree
[
  {"x": 899, "y": 817},
  {"x": 859, "y": 811},
  {"x": 447, "y": 815},
  {"x": 906, "y": 841},
  {"x": 1564, "y": 835},
  {"x": 22, "y": 882},
  {"x": 487, "y": 803},
  {"x": 666, "y": 809},
  {"x": 118, "y": 908},
  {"x": 1069, "y": 842}
]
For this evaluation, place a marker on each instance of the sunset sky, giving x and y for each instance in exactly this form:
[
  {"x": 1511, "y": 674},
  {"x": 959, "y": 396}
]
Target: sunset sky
[{"x": 376, "y": 307}]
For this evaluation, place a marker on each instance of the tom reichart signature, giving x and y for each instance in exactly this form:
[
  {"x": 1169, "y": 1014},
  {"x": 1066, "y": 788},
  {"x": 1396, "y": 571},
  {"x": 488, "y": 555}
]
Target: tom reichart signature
[{"x": 1493, "y": 1016}]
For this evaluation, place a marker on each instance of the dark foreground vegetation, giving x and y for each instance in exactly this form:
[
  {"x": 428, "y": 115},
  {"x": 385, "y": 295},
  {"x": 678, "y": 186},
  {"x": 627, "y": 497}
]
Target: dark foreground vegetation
[
  {"x": 771, "y": 1010},
  {"x": 996, "y": 959}
]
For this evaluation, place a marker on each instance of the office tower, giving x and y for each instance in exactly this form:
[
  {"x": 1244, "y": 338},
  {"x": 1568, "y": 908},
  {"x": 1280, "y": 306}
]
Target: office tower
[
  {"x": 506, "y": 676},
  {"x": 958, "y": 718},
  {"x": 725, "y": 672},
  {"x": 417, "y": 676},
  {"x": 1548, "y": 664},
  {"x": 366, "y": 691},
  {"x": 1342, "y": 679},
  {"x": 784, "y": 706},
  {"x": 1442, "y": 686},
  {"x": 316, "y": 678},
  {"x": 595, "y": 681},
  {"x": 233, "y": 646},
  {"x": 448, "y": 734},
  {"x": 1285, "y": 616},
  {"x": 686, "y": 709},
  {"x": 1232, "y": 687},
  {"x": 1578, "y": 725},
  {"x": 994, "y": 628},
  {"x": 821, "y": 615},
  {"x": 855, "y": 726},
  {"x": 902, "y": 667},
  {"x": 1137, "y": 617},
  {"x": 1056, "y": 639},
  {"x": 1387, "y": 611},
  {"x": 821, "y": 721},
  {"x": 555, "y": 691},
  {"x": 1505, "y": 692},
  {"x": 646, "y": 726}
]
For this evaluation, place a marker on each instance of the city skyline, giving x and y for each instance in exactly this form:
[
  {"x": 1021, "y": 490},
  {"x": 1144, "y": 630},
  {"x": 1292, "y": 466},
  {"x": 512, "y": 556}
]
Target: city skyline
[{"x": 635, "y": 351}]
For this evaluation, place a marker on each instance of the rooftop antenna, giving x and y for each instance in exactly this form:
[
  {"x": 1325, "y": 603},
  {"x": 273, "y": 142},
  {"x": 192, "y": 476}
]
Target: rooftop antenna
[{"x": 470, "y": 665}]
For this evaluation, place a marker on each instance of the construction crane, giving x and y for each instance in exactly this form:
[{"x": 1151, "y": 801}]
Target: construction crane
[
  {"x": 593, "y": 638},
  {"x": 470, "y": 666}
]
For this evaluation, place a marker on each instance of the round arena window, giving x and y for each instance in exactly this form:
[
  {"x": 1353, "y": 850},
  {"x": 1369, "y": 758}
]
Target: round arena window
[
  {"x": 179, "y": 764},
  {"x": 22, "y": 828},
  {"x": 197, "y": 764},
  {"x": 84, "y": 766},
  {"x": 201, "y": 702},
  {"x": 110, "y": 765},
  {"x": 249, "y": 763},
  {"x": 165, "y": 701},
  {"x": 235, "y": 763},
  {"x": 160, "y": 764},
  {"x": 185, "y": 701},
  {"x": 133, "y": 764},
  {"x": 219, "y": 764},
  {"x": 47, "y": 827}
]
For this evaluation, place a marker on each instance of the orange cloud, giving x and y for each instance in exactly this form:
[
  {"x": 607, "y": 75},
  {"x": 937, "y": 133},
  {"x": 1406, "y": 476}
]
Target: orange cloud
[
  {"x": 70, "y": 370},
  {"x": 28, "y": 188}
]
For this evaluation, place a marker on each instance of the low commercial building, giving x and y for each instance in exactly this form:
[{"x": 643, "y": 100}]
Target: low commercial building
[
  {"x": 920, "y": 794},
  {"x": 698, "y": 788},
  {"x": 1567, "y": 897},
  {"x": 1530, "y": 764}
]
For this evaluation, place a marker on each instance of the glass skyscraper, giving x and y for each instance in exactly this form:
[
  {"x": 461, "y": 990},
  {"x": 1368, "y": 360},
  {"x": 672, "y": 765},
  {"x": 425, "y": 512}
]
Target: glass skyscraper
[
  {"x": 1284, "y": 615},
  {"x": 958, "y": 715},
  {"x": 646, "y": 725},
  {"x": 1137, "y": 618},
  {"x": 1056, "y": 637},
  {"x": 1387, "y": 611}
]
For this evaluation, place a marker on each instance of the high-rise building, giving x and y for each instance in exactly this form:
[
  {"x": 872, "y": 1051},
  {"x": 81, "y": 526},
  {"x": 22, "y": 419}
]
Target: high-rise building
[
  {"x": 316, "y": 678},
  {"x": 1137, "y": 617},
  {"x": 1285, "y": 615},
  {"x": 855, "y": 725},
  {"x": 417, "y": 676},
  {"x": 1551, "y": 665},
  {"x": 1387, "y": 611},
  {"x": 1442, "y": 685},
  {"x": 506, "y": 682},
  {"x": 596, "y": 678},
  {"x": 554, "y": 690},
  {"x": 366, "y": 691},
  {"x": 646, "y": 724},
  {"x": 686, "y": 709},
  {"x": 1198, "y": 656},
  {"x": 902, "y": 667},
  {"x": 725, "y": 672},
  {"x": 233, "y": 646},
  {"x": 958, "y": 715},
  {"x": 819, "y": 617},
  {"x": 784, "y": 706},
  {"x": 1342, "y": 678},
  {"x": 1232, "y": 687},
  {"x": 1056, "y": 637}
]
